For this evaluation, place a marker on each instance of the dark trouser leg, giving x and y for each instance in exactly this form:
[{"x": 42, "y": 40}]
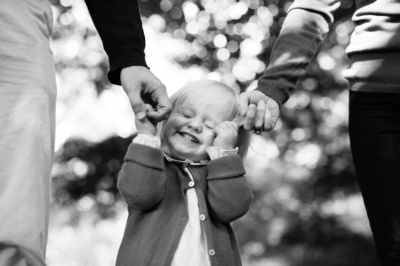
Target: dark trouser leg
[{"x": 374, "y": 127}]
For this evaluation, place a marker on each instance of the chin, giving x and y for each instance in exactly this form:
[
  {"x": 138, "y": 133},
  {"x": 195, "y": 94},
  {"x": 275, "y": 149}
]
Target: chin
[
  {"x": 177, "y": 153},
  {"x": 184, "y": 156}
]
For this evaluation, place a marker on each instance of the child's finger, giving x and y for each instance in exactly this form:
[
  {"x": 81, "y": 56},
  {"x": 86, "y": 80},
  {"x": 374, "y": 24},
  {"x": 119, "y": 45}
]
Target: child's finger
[
  {"x": 226, "y": 125},
  {"x": 149, "y": 110},
  {"x": 233, "y": 125},
  {"x": 226, "y": 128},
  {"x": 148, "y": 107},
  {"x": 218, "y": 128}
]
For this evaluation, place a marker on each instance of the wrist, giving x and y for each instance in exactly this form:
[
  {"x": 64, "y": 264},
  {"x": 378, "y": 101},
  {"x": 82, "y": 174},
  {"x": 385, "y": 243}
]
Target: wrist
[
  {"x": 145, "y": 127},
  {"x": 224, "y": 145},
  {"x": 146, "y": 132}
]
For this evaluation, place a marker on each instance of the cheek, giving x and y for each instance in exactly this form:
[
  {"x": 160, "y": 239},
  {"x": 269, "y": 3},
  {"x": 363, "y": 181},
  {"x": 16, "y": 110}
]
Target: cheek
[
  {"x": 170, "y": 126},
  {"x": 209, "y": 138}
]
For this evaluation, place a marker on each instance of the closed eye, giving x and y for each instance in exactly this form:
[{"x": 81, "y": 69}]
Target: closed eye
[
  {"x": 210, "y": 127},
  {"x": 185, "y": 115}
]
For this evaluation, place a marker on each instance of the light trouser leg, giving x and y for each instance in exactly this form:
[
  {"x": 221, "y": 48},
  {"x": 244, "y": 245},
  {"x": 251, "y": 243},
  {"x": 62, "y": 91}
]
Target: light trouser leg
[
  {"x": 374, "y": 127},
  {"x": 27, "y": 121}
]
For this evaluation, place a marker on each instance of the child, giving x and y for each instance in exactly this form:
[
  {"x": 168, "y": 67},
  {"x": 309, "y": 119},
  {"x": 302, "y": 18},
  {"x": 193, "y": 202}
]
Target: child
[{"x": 184, "y": 186}]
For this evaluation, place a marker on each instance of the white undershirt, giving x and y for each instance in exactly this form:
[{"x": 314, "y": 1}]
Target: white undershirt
[{"x": 192, "y": 248}]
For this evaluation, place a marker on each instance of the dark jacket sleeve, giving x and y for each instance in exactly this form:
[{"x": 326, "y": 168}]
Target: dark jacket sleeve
[
  {"x": 304, "y": 28},
  {"x": 120, "y": 28},
  {"x": 141, "y": 180},
  {"x": 228, "y": 194}
]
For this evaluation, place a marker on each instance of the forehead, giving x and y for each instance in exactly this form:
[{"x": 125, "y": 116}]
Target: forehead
[{"x": 216, "y": 109}]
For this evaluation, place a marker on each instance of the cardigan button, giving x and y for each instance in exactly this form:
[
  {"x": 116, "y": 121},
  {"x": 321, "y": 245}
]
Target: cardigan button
[
  {"x": 202, "y": 217},
  {"x": 191, "y": 184},
  {"x": 211, "y": 252}
]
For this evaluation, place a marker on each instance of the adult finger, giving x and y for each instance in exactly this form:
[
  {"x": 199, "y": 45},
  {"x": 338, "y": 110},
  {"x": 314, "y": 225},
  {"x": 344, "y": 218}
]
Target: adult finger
[
  {"x": 259, "y": 119},
  {"x": 250, "y": 117},
  {"x": 244, "y": 100},
  {"x": 131, "y": 81},
  {"x": 137, "y": 103}
]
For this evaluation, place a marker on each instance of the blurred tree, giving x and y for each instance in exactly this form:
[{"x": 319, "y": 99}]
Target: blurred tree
[{"x": 304, "y": 182}]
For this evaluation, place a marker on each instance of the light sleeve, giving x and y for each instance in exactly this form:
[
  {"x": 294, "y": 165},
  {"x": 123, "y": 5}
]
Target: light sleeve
[{"x": 304, "y": 28}]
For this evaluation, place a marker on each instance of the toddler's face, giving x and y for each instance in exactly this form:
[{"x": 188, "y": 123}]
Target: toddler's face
[{"x": 189, "y": 130}]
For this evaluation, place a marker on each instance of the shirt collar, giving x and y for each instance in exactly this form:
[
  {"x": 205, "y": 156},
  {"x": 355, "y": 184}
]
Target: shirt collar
[{"x": 187, "y": 161}]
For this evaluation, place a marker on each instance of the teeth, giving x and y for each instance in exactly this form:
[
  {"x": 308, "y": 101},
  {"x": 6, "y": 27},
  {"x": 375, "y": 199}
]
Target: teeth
[{"x": 189, "y": 138}]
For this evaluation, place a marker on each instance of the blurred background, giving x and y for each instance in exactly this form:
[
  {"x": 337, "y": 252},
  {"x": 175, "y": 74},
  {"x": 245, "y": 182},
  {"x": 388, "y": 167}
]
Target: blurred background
[{"x": 307, "y": 209}]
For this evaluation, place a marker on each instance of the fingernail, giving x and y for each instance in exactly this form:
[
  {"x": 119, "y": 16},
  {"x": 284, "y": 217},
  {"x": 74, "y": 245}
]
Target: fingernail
[{"x": 141, "y": 116}]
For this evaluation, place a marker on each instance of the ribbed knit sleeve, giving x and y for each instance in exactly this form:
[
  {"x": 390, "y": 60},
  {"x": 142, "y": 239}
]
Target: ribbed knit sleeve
[
  {"x": 228, "y": 194},
  {"x": 142, "y": 179},
  {"x": 120, "y": 28},
  {"x": 303, "y": 30}
]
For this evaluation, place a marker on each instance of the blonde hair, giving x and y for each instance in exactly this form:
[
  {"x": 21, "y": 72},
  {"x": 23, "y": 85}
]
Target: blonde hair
[{"x": 205, "y": 91}]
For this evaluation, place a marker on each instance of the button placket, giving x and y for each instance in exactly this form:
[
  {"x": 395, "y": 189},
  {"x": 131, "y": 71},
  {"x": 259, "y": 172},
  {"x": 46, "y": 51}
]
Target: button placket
[
  {"x": 202, "y": 217},
  {"x": 211, "y": 252}
]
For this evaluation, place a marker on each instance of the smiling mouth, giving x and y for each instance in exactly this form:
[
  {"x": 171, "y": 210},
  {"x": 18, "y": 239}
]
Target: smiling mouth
[{"x": 189, "y": 138}]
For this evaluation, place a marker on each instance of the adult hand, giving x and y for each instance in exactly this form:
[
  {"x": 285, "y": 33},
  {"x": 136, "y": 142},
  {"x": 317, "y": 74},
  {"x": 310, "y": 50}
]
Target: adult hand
[
  {"x": 260, "y": 111},
  {"x": 142, "y": 87}
]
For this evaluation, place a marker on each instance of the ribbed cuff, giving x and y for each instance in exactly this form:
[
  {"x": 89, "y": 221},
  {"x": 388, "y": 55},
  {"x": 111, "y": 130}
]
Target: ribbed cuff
[
  {"x": 217, "y": 152},
  {"x": 226, "y": 167},
  {"x": 145, "y": 155},
  {"x": 147, "y": 140},
  {"x": 114, "y": 75}
]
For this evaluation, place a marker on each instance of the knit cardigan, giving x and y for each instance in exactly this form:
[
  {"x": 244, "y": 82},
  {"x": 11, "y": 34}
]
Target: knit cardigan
[{"x": 154, "y": 190}]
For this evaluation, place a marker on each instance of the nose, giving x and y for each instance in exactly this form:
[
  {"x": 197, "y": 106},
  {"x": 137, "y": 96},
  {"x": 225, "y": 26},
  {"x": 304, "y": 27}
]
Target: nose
[{"x": 195, "y": 124}]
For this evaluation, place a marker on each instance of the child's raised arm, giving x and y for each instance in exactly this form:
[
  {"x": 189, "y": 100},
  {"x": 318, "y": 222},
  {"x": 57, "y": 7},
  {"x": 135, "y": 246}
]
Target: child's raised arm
[
  {"x": 142, "y": 179},
  {"x": 228, "y": 194}
]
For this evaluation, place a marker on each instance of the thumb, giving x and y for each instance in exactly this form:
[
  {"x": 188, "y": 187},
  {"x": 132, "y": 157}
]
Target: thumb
[
  {"x": 162, "y": 110},
  {"x": 271, "y": 115}
]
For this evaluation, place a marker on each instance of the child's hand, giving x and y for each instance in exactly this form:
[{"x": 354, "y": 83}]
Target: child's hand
[
  {"x": 226, "y": 135},
  {"x": 146, "y": 126}
]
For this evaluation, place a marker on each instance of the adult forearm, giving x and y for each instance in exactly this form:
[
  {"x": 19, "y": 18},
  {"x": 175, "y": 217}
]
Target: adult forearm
[
  {"x": 303, "y": 30},
  {"x": 119, "y": 25}
]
